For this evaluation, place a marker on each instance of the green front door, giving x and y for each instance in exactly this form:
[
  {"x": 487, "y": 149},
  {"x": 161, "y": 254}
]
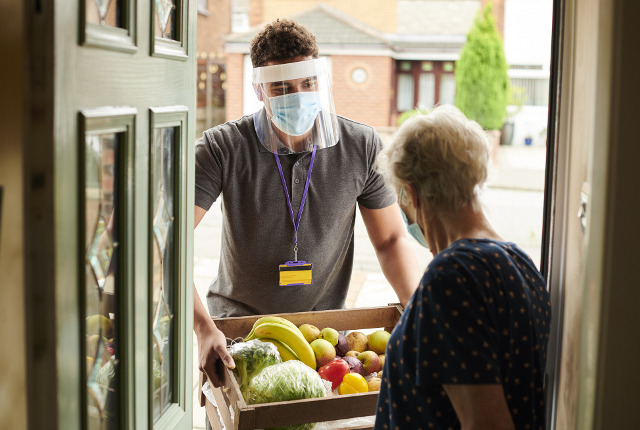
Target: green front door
[{"x": 123, "y": 131}]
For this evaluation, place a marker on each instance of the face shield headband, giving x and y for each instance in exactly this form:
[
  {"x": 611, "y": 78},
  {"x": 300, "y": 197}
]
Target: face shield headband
[{"x": 299, "y": 112}]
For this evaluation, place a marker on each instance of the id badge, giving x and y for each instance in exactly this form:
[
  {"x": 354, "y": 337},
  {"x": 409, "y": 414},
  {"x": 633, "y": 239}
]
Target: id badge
[{"x": 295, "y": 273}]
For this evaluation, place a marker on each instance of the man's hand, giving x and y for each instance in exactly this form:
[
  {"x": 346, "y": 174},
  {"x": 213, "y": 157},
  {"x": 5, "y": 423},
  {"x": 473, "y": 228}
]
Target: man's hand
[
  {"x": 212, "y": 343},
  {"x": 212, "y": 353}
]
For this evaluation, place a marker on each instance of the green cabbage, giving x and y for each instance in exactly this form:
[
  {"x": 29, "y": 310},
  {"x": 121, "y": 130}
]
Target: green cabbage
[
  {"x": 250, "y": 358},
  {"x": 290, "y": 380}
]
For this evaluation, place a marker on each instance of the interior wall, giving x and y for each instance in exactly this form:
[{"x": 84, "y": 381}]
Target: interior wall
[
  {"x": 578, "y": 98},
  {"x": 609, "y": 377},
  {"x": 600, "y": 342},
  {"x": 13, "y": 411}
]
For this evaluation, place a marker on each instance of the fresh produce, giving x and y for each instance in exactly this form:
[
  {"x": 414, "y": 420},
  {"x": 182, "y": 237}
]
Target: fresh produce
[
  {"x": 352, "y": 353},
  {"x": 329, "y": 334},
  {"x": 357, "y": 341},
  {"x": 353, "y": 383},
  {"x": 355, "y": 365},
  {"x": 285, "y": 332},
  {"x": 290, "y": 380},
  {"x": 323, "y": 350},
  {"x": 342, "y": 347},
  {"x": 250, "y": 358},
  {"x": 378, "y": 341},
  {"x": 334, "y": 372},
  {"x": 286, "y": 353},
  {"x": 310, "y": 332},
  {"x": 268, "y": 319},
  {"x": 374, "y": 384},
  {"x": 381, "y": 358},
  {"x": 370, "y": 362}
]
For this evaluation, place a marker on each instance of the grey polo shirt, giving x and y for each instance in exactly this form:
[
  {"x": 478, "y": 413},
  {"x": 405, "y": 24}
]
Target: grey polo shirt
[{"x": 257, "y": 232}]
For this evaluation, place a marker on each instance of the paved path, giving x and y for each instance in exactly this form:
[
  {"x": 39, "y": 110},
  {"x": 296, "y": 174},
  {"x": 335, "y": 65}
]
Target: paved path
[{"x": 513, "y": 201}]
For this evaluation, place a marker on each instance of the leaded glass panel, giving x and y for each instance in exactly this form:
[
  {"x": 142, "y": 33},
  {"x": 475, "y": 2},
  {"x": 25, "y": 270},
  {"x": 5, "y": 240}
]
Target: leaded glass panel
[
  {"x": 105, "y": 12},
  {"x": 166, "y": 23},
  {"x": 102, "y": 279},
  {"x": 164, "y": 266}
]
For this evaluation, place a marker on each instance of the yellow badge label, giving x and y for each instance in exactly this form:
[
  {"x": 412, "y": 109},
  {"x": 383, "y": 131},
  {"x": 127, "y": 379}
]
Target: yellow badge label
[{"x": 295, "y": 273}]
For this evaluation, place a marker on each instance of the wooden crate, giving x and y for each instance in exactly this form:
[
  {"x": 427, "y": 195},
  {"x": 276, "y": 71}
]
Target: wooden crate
[{"x": 265, "y": 415}]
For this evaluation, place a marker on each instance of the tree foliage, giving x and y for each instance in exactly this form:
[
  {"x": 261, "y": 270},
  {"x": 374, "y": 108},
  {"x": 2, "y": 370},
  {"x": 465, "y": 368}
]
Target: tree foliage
[{"x": 482, "y": 83}]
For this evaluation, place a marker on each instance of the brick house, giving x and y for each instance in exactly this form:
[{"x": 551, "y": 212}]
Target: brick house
[{"x": 389, "y": 60}]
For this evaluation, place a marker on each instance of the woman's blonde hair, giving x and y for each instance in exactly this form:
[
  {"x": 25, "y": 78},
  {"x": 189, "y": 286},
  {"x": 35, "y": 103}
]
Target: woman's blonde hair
[{"x": 443, "y": 154}]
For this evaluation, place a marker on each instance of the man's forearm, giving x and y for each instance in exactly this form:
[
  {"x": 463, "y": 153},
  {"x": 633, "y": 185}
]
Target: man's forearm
[
  {"x": 201, "y": 318},
  {"x": 400, "y": 267}
]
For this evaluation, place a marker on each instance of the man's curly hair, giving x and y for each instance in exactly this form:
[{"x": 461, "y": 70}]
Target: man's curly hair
[{"x": 281, "y": 40}]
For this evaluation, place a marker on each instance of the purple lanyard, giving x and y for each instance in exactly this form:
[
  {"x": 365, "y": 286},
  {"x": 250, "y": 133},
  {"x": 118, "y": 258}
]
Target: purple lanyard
[{"x": 296, "y": 224}]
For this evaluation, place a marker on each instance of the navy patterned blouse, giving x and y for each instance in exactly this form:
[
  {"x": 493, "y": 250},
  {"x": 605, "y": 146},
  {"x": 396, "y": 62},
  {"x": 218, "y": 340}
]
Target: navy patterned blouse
[{"x": 480, "y": 316}]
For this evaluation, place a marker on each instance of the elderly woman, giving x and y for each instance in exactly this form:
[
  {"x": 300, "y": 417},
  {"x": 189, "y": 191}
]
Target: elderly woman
[{"x": 470, "y": 348}]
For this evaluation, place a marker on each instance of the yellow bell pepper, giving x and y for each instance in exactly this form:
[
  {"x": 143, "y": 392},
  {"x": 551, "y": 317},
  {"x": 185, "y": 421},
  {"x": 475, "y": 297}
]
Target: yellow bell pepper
[{"x": 353, "y": 383}]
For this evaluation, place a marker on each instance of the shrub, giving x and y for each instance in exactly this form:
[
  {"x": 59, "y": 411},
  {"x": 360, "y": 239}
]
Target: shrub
[{"x": 482, "y": 83}]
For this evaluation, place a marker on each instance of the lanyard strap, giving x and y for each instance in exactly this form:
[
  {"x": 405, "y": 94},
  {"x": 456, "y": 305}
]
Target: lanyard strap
[{"x": 296, "y": 224}]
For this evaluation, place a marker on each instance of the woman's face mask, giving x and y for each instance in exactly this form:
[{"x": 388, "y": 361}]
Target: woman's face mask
[
  {"x": 415, "y": 231},
  {"x": 414, "y": 228},
  {"x": 295, "y": 113}
]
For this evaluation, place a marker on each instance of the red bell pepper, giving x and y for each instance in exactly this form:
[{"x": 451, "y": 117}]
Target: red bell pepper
[{"x": 334, "y": 371}]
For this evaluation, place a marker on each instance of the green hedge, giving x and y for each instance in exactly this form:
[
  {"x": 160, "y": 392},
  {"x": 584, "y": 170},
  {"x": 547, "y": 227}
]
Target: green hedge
[{"x": 482, "y": 83}]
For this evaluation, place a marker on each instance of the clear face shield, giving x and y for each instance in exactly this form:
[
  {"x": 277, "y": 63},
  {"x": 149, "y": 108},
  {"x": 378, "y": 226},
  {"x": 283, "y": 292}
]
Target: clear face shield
[{"x": 299, "y": 111}]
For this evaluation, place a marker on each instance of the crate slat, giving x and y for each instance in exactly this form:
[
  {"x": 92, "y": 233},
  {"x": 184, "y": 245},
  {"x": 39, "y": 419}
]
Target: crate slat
[{"x": 341, "y": 319}]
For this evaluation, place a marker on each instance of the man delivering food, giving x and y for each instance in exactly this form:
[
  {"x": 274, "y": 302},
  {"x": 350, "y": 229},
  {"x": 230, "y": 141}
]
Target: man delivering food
[{"x": 290, "y": 177}]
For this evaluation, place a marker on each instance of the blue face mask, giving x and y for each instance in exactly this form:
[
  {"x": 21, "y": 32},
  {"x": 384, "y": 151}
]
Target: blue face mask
[
  {"x": 295, "y": 113},
  {"x": 415, "y": 231}
]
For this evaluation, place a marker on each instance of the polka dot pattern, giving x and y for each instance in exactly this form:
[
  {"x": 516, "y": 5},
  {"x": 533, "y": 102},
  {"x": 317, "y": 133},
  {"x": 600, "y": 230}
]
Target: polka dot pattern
[{"x": 480, "y": 316}]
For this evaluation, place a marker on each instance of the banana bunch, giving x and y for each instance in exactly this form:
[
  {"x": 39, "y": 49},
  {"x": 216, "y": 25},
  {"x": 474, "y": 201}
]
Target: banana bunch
[{"x": 286, "y": 337}]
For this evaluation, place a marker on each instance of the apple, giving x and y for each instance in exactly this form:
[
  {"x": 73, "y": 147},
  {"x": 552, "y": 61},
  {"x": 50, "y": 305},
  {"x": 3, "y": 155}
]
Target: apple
[
  {"x": 357, "y": 341},
  {"x": 323, "y": 350},
  {"x": 379, "y": 374},
  {"x": 310, "y": 332},
  {"x": 331, "y": 335},
  {"x": 342, "y": 347},
  {"x": 352, "y": 353},
  {"x": 370, "y": 362},
  {"x": 355, "y": 365},
  {"x": 374, "y": 384},
  {"x": 378, "y": 341},
  {"x": 381, "y": 357}
]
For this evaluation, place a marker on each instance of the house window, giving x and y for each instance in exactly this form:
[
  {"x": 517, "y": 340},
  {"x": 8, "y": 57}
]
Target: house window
[
  {"x": 424, "y": 84},
  {"x": 239, "y": 16},
  {"x": 534, "y": 91}
]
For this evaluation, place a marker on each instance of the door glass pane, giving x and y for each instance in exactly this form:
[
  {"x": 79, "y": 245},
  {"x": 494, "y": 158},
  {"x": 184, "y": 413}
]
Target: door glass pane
[
  {"x": 165, "y": 20},
  {"x": 105, "y": 12},
  {"x": 164, "y": 274},
  {"x": 447, "y": 89},
  {"x": 102, "y": 280},
  {"x": 405, "y": 92},
  {"x": 427, "y": 92}
]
